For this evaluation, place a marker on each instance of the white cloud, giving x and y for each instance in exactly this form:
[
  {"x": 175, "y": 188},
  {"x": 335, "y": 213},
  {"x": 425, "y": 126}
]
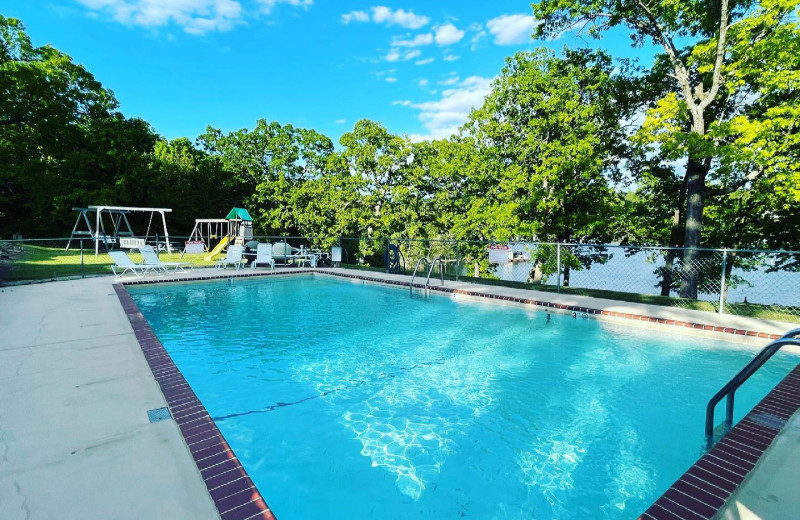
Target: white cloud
[
  {"x": 422, "y": 82},
  {"x": 450, "y": 57},
  {"x": 448, "y": 34},
  {"x": 340, "y": 121},
  {"x": 355, "y": 16},
  {"x": 398, "y": 55},
  {"x": 416, "y": 41},
  {"x": 267, "y": 5},
  {"x": 195, "y": 16},
  {"x": 391, "y": 79},
  {"x": 425, "y": 61},
  {"x": 510, "y": 29},
  {"x": 407, "y": 19},
  {"x": 480, "y": 33},
  {"x": 450, "y": 81},
  {"x": 404, "y": 103},
  {"x": 442, "y": 118}
]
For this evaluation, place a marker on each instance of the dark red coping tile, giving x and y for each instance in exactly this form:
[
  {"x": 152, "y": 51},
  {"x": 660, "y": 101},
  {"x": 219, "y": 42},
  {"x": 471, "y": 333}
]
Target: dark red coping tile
[
  {"x": 783, "y": 397},
  {"x": 708, "y": 487},
  {"x": 719, "y": 329},
  {"x": 747, "y": 439},
  {"x": 203, "y": 436},
  {"x": 772, "y": 410},
  {"x": 187, "y": 415},
  {"x": 764, "y": 430},
  {"x": 690, "y": 502},
  {"x": 193, "y": 429},
  {"x": 738, "y": 450},
  {"x": 728, "y": 462},
  {"x": 188, "y": 408},
  {"x": 681, "y": 511},
  {"x": 232, "y": 488},
  {"x": 702, "y": 495},
  {"x": 721, "y": 472},
  {"x": 210, "y": 445},
  {"x": 712, "y": 478},
  {"x": 182, "y": 402},
  {"x": 193, "y": 419},
  {"x": 763, "y": 335},
  {"x": 179, "y": 394},
  {"x": 223, "y": 467},
  {"x": 213, "y": 460},
  {"x": 236, "y": 500},
  {"x": 220, "y": 479},
  {"x": 752, "y": 430},
  {"x": 740, "y": 332},
  {"x": 254, "y": 510},
  {"x": 650, "y": 514},
  {"x": 752, "y": 333}
]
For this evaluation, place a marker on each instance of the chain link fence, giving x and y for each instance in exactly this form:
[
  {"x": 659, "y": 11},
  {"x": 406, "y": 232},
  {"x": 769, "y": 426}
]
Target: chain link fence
[{"x": 763, "y": 284}]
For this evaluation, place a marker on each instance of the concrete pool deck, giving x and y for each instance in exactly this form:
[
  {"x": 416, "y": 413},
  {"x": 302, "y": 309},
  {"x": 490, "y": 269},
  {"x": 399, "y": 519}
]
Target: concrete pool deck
[{"x": 75, "y": 440}]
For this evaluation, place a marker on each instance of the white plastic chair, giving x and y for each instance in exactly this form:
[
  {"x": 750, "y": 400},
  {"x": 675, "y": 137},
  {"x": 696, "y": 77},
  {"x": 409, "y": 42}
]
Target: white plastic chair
[
  {"x": 233, "y": 256},
  {"x": 263, "y": 256}
]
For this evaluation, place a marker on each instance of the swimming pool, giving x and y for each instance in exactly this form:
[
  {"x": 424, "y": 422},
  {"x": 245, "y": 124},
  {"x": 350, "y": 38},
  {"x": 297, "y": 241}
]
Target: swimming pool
[{"x": 359, "y": 401}]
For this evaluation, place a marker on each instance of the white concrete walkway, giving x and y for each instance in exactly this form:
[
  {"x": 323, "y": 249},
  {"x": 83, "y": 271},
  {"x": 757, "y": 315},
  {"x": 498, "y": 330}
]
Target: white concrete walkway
[{"x": 75, "y": 440}]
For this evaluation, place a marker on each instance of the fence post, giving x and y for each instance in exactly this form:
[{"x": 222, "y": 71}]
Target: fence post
[
  {"x": 156, "y": 244},
  {"x": 458, "y": 260},
  {"x": 83, "y": 271},
  {"x": 722, "y": 281},
  {"x": 558, "y": 267}
]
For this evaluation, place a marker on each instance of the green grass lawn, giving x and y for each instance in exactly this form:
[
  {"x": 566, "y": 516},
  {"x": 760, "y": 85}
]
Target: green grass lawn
[
  {"x": 766, "y": 312},
  {"x": 46, "y": 263}
]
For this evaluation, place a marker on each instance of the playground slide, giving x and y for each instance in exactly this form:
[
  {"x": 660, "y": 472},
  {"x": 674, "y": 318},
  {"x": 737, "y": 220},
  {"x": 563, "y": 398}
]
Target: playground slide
[{"x": 217, "y": 250}]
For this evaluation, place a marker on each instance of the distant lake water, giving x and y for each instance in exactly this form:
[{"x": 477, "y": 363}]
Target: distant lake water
[{"x": 636, "y": 274}]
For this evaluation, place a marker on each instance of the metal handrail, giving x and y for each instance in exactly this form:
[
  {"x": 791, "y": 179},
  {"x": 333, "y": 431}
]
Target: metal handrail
[
  {"x": 414, "y": 274},
  {"x": 738, "y": 380},
  {"x": 430, "y": 270}
]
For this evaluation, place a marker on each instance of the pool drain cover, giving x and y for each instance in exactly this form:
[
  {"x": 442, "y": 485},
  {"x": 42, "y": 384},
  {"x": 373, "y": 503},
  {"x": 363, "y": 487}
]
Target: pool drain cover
[{"x": 158, "y": 415}]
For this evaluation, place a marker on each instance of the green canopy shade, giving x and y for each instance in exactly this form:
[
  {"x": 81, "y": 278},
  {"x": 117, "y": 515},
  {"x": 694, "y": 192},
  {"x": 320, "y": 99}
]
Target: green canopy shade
[{"x": 239, "y": 214}]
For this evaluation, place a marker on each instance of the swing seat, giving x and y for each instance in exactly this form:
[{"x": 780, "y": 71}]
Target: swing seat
[{"x": 131, "y": 243}]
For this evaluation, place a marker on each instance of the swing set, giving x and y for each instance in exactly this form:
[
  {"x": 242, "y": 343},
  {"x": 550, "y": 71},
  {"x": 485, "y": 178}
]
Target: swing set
[{"x": 120, "y": 231}]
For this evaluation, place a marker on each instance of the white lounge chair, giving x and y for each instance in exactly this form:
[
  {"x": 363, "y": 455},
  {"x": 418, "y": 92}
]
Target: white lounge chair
[
  {"x": 124, "y": 262},
  {"x": 150, "y": 257},
  {"x": 233, "y": 256},
  {"x": 263, "y": 256}
]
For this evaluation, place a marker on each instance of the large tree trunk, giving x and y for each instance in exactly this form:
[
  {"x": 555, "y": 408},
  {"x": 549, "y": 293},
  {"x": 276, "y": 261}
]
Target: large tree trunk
[
  {"x": 675, "y": 240},
  {"x": 696, "y": 172}
]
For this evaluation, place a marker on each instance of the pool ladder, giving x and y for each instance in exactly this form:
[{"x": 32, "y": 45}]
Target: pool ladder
[
  {"x": 729, "y": 390},
  {"x": 430, "y": 265}
]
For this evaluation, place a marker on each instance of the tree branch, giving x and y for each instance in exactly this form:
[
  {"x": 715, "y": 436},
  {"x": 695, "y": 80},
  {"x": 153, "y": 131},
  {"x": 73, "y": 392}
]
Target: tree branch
[{"x": 716, "y": 78}]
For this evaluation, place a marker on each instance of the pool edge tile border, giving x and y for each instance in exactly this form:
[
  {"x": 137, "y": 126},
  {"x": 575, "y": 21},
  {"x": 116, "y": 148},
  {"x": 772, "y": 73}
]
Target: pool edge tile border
[
  {"x": 566, "y": 308},
  {"x": 234, "y": 494}
]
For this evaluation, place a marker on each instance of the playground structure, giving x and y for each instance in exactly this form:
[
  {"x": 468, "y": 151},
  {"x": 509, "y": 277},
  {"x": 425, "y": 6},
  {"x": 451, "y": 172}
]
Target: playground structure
[
  {"x": 235, "y": 228},
  {"x": 121, "y": 231}
]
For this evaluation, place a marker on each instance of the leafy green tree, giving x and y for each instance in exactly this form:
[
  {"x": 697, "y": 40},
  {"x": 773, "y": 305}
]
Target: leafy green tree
[
  {"x": 701, "y": 88},
  {"x": 272, "y": 161},
  {"x": 550, "y": 132},
  {"x": 47, "y": 103}
]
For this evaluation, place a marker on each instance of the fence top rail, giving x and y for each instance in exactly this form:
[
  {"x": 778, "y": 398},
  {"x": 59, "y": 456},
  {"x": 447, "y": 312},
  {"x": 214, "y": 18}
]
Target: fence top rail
[{"x": 454, "y": 241}]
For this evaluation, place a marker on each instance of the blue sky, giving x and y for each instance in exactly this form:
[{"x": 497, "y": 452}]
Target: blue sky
[{"x": 417, "y": 67}]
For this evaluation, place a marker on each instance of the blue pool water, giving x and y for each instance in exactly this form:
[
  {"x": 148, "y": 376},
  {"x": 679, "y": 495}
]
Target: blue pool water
[{"x": 357, "y": 401}]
